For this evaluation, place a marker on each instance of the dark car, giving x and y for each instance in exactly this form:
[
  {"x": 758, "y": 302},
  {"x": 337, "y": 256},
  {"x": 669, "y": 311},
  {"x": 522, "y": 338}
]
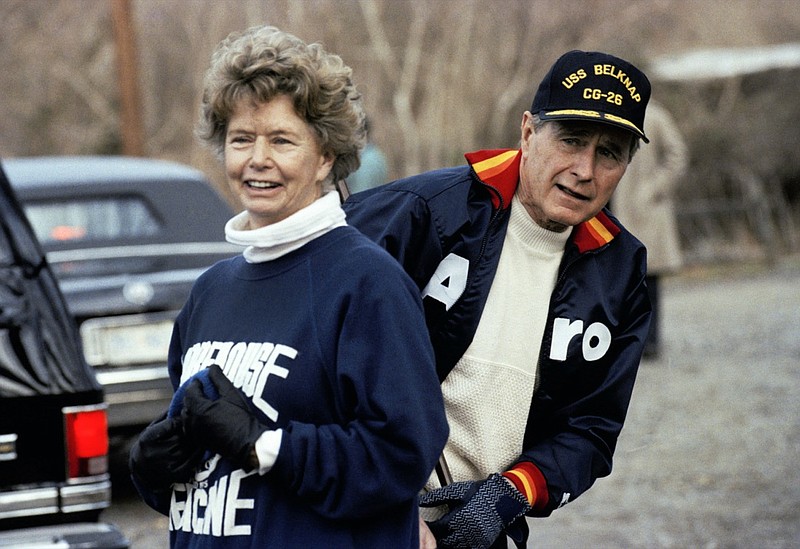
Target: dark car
[
  {"x": 126, "y": 238},
  {"x": 54, "y": 479}
]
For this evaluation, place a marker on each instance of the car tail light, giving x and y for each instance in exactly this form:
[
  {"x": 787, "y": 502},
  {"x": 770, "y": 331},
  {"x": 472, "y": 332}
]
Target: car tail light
[{"x": 86, "y": 429}]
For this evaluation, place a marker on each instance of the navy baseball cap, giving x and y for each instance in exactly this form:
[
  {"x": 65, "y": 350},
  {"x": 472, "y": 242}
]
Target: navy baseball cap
[{"x": 595, "y": 86}]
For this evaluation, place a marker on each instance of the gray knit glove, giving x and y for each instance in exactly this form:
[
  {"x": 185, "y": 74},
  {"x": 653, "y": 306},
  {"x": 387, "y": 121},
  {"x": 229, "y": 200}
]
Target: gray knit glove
[{"x": 479, "y": 512}]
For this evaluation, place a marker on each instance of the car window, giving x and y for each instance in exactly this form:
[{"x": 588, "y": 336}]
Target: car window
[{"x": 107, "y": 218}]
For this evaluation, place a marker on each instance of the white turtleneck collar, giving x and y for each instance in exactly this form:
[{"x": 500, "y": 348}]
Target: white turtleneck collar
[{"x": 273, "y": 241}]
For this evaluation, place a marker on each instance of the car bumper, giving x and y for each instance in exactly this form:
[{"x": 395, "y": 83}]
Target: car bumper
[
  {"x": 91, "y": 494},
  {"x": 135, "y": 396},
  {"x": 84, "y": 535}
]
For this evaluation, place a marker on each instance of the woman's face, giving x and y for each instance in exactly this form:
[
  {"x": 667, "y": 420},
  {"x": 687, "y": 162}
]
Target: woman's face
[{"x": 273, "y": 160}]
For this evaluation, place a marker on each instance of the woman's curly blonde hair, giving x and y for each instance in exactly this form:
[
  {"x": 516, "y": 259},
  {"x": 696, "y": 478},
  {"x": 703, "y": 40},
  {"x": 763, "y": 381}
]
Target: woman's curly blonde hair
[{"x": 261, "y": 63}]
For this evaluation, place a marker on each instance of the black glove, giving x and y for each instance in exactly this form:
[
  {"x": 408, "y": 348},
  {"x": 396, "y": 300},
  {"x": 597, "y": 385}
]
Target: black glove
[
  {"x": 162, "y": 455},
  {"x": 225, "y": 425},
  {"x": 479, "y": 511}
]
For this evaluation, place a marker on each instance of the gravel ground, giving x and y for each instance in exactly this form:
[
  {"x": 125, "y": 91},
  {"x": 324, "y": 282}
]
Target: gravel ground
[{"x": 709, "y": 454}]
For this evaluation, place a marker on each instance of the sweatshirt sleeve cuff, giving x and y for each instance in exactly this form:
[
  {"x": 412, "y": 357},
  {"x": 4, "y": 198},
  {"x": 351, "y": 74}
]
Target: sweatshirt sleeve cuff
[
  {"x": 529, "y": 480},
  {"x": 267, "y": 447}
]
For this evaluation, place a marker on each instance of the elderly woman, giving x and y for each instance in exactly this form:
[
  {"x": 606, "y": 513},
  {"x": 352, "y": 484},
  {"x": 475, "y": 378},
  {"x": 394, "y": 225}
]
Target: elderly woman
[{"x": 307, "y": 410}]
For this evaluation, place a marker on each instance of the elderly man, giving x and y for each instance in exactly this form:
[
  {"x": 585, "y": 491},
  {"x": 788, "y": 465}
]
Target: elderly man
[{"x": 535, "y": 301}]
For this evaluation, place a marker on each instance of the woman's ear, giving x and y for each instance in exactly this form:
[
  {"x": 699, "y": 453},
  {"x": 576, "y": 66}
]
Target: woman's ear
[{"x": 325, "y": 167}]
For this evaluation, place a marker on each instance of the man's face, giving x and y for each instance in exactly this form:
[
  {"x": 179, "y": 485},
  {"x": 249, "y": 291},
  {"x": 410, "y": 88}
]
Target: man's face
[{"x": 570, "y": 169}]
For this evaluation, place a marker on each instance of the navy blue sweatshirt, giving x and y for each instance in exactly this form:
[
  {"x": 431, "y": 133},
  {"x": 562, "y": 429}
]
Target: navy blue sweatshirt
[{"x": 329, "y": 343}]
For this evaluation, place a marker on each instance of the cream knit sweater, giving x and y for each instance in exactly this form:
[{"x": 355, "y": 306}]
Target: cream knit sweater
[{"x": 488, "y": 393}]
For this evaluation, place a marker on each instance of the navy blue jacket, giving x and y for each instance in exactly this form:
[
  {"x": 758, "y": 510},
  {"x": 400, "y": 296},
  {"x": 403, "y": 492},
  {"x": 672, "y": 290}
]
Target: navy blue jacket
[{"x": 455, "y": 220}]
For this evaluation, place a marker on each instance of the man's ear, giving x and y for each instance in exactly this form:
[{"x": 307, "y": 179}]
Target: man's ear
[{"x": 526, "y": 129}]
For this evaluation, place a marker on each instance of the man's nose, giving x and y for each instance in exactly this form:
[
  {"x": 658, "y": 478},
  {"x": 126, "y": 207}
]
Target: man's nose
[{"x": 584, "y": 163}]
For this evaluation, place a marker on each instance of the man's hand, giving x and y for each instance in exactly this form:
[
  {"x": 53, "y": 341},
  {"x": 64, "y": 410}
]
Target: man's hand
[
  {"x": 225, "y": 425},
  {"x": 163, "y": 455},
  {"x": 479, "y": 512},
  {"x": 426, "y": 539}
]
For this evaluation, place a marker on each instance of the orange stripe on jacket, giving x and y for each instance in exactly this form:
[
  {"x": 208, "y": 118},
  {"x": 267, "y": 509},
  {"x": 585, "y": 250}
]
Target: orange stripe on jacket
[
  {"x": 595, "y": 233},
  {"x": 529, "y": 480}
]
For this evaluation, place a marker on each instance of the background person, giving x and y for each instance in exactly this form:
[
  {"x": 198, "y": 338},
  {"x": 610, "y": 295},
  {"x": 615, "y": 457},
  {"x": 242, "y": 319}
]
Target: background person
[
  {"x": 534, "y": 297},
  {"x": 322, "y": 420},
  {"x": 372, "y": 171},
  {"x": 645, "y": 202}
]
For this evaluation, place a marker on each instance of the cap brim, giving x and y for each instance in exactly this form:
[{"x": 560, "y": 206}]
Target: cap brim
[{"x": 594, "y": 116}]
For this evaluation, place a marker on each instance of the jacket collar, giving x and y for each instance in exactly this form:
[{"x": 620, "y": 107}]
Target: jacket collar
[
  {"x": 499, "y": 170},
  {"x": 595, "y": 233}
]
